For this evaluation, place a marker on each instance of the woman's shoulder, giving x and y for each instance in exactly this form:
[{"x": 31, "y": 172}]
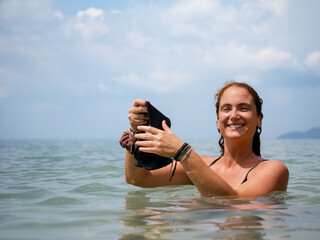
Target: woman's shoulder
[
  {"x": 274, "y": 167},
  {"x": 268, "y": 176},
  {"x": 274, "y": 163}
]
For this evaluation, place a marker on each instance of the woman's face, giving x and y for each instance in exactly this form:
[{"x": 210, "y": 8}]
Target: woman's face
[{"x": 237, "y": 115}]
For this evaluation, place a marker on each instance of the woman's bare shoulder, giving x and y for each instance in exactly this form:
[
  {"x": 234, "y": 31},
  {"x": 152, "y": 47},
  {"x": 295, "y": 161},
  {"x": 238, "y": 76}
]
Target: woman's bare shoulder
[
  {"x": 267, "y": 177},
  {"x": 274, "y": 168},
  {"x": 274, "y": 163}
]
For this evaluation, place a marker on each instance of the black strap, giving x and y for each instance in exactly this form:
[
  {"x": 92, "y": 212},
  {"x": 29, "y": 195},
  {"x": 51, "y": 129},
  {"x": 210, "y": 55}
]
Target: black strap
[
  {"x": 246, "y": 177},
  {"x": 214, "y": 161}
]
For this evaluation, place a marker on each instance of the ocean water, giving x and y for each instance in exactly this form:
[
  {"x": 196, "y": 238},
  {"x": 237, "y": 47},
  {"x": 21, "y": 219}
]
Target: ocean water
[{"x": 52, "y": 189}]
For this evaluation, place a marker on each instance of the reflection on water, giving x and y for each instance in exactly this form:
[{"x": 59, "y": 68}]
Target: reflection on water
[
  {"x": 76, "y": 190},
  {"x": 194, "y": 217}
]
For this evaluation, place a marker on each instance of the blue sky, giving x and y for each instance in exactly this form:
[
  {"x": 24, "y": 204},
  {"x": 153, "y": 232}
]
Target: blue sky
[{"x": 72, "y": 69}]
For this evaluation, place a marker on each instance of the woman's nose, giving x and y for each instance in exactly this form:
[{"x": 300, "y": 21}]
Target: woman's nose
[{"x": 234, "y": 114}]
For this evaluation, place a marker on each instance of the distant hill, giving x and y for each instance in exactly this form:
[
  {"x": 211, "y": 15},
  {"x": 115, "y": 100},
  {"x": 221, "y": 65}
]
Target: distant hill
[{"x": 313, "y": 133}]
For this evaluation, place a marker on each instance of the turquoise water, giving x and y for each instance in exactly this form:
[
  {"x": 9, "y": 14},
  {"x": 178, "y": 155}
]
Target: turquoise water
[{"x": 52, "y": 189}]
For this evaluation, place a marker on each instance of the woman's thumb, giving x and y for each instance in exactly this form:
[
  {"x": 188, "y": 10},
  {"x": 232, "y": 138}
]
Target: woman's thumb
[{"x": 165, "y": 126}]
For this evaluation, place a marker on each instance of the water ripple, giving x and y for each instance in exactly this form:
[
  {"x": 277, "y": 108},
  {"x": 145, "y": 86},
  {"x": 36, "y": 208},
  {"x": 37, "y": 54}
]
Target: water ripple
[
  {"x": 57, "y": 201},
  {"x": 76, "y": 190}
]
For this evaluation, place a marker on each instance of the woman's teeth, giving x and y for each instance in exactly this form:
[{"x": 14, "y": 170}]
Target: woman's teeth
[{"x": 236, "y": 125}]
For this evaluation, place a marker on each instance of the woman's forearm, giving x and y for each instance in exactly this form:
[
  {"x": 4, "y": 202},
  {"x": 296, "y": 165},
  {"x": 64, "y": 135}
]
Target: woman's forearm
[
  {"x": 206, "y": 181},
  {"x": 133, "y": 175}
]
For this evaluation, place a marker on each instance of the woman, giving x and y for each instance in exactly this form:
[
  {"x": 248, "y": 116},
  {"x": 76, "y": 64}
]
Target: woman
[{"x": 239, "y": 171}]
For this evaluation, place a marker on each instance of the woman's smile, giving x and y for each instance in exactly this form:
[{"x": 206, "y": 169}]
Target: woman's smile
[
  {"x": 237, "y": 114},
  {"x": 235, "y": 126}
]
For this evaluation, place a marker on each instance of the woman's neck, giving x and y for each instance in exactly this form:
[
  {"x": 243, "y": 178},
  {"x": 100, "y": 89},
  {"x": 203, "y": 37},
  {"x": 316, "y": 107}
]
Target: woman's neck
[{"x": 239, "y": 153}]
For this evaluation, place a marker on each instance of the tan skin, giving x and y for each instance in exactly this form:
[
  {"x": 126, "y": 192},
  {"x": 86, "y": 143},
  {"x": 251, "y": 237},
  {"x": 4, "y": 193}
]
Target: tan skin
[{"x": 237, "y": 121}]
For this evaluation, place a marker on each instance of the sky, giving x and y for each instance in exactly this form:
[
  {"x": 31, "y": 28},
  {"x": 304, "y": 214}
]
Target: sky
[{"x": 72, "y": 69}]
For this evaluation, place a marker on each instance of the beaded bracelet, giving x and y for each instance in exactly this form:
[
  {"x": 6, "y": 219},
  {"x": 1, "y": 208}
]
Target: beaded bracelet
[
  {"x": 181, "y": 149},
  {"x": 186, "y": 155},
  {"x": 184, "y": 152},
  {"x": 181, "y": 155}
]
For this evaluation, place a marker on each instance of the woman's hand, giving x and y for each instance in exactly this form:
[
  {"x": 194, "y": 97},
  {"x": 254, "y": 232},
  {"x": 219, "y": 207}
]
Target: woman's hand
[
  {"x": 161, "y": 142},
  {"x": 138, "y": 114}
]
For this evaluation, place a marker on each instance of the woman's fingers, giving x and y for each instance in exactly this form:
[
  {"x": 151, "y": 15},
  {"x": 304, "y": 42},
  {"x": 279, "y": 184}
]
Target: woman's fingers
[
  {"x": 139, "y": 102},
  {"x": 154, "y": 130},
  {"x": 138, "y": 114},
  {"x": 144, "y": 136},
  {"x": 149, "y": 129}
]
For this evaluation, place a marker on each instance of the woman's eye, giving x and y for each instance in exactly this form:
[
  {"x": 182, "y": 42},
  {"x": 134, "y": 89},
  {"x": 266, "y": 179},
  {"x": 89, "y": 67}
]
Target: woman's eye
[{"x": 244, "y": 108}]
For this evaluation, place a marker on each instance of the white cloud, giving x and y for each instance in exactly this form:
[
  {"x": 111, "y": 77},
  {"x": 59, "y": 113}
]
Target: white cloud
[
  {"x": 131, "y": 79},
  {"x": 272, "y": 57},
  {"x": 91, "y": 12},
  {"x": 103, "y": 88},
  {"x": 188, "y": 37},
  {"x": 219, "y": 21},
  {"x": 115, "y": 11},
  {"x": 312, "y": 61},
  {"x": 246, "y": 78},
  {"x": 90, "y": 24},
  {"x": 275, "y": 7},
  {"x": 157, "y": 81},
  {"x": 137, "y": 39},
  {"x": 161, "y": 46},
  {"x": 235, "y": 56},
  {"x": 89, "y": 30},
  {"x": 25, "y": 11},
  {"x": 191, "y": 9},
  {"x": 58, "y": 14}
]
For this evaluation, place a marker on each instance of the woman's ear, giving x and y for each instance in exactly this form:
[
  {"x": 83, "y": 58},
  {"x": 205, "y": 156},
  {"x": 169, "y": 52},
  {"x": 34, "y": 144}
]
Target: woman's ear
[
  {"x": 218, "y": 124},
  {"x": 260, "y": 117}
]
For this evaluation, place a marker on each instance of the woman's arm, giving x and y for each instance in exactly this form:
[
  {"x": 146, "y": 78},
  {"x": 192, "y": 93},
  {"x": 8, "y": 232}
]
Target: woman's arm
[
  {"x": 154, "y": 178},
  {"x": 139, "y": 176},
  {"x": 261, "y": 181},
  {"x": 207, "y": 181},
  {"x": 195, "y": 169}
]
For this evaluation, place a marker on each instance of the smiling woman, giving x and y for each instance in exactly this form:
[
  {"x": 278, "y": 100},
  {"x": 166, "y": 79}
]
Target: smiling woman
[
  {"x": 243, "y": 107},
  {"x": 240, "y": 170}
]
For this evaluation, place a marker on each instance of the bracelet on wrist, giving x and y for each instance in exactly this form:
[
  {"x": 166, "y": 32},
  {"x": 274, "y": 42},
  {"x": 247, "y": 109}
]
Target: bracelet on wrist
[
  {"x": 176, "y": 156},
  {"x": 131, "y": 132},
  {"x": 183, "y": 150},
  {"x": 182, "y": 154},
  {"x": 186, "y": 155}
]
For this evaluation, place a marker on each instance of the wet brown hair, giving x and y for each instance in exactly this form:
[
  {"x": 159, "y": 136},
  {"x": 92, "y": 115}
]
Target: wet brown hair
[{"x": 258, "y": 103}]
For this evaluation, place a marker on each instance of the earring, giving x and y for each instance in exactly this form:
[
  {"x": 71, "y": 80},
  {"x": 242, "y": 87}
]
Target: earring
[{"x": 258, "y": 130}]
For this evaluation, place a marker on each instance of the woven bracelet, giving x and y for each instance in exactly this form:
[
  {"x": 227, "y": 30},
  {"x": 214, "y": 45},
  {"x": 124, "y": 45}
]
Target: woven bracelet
[
  {"x": 179, "y": 151},
  {"x": 184, "y": 148},
  {"x": 186, "y": 155}
]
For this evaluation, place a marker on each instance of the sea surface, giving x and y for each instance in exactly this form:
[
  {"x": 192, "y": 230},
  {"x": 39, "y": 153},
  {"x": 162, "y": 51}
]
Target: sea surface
[{"x": 59, "y": 189}]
